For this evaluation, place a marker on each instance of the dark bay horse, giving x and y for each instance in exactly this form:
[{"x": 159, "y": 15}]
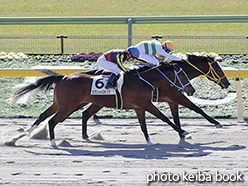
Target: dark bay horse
[
  {"x": 72, "y": 92},
  {"x": 193, "y": 67}
]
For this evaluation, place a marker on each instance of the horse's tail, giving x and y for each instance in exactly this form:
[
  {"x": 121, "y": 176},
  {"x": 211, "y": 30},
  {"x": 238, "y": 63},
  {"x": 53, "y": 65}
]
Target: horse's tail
[{"x": 44, "y": 83}]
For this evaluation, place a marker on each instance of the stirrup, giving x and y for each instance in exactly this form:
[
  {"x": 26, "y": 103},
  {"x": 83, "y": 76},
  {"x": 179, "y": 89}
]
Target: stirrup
[
  {"x": 110, "y": 86},
  {"x": 112, "y": 83}
]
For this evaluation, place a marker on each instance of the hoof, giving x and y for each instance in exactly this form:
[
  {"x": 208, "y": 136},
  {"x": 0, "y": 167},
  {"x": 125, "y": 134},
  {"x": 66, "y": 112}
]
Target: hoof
[
  {"x": 149, "y": 143},
  {"x": 12, "y": 141},
  {"x": 184, "y": 134},
  {"x": 86, "y": 137},
  {"x": 30, "y": 130},
  {"x": 187, "y": 136},
  {"x": 53, "y": 144},
  {"x": 88, "y": 140},
  {"x": 218, "y": 126}
]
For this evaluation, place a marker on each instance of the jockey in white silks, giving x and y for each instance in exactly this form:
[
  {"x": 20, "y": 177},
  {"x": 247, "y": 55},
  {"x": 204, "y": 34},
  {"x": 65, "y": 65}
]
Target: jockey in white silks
[{"x": 149, "y": 49}]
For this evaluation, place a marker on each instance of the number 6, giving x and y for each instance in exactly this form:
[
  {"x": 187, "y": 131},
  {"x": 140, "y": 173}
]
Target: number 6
[{"x": 99, "y": 83}]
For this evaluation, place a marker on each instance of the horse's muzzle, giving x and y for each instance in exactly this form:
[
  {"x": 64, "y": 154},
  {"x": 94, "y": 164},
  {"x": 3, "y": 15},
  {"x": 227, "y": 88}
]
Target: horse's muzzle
[
  {"x": 190, "y": 92},
  {"x": 224, "y": 86}
]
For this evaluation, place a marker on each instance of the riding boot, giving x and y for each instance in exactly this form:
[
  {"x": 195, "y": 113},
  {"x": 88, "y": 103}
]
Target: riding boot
[
  {"x": 111, "y": 84},
  {"x": 116, "y": 79}
]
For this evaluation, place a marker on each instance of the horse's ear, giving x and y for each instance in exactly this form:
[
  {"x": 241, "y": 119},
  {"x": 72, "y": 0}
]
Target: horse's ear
[
  {"x": 183, "y": 60},
  {"x": 211, "y": 59},
  {"x": 190, "y": 56}
]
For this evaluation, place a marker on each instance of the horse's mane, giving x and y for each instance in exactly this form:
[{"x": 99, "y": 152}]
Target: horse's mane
[
  {"x": 193, "y": 58},
  {"x": 168, "y": 66}
]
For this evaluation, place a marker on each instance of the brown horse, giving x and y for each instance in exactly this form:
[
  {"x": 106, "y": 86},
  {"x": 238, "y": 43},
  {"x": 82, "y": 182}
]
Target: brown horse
[
  {"x": 72, "y": 92},
  {"x": 193, "y": 67}
]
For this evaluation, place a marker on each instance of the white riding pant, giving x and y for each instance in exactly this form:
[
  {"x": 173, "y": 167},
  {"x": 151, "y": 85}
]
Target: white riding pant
[
  {"x": 108, "y": 65},
  {"x": 150, "y": 59}
]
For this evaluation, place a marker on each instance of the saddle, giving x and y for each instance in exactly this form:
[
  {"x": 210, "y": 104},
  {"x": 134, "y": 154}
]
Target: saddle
[{"x": 130, "y": 72}]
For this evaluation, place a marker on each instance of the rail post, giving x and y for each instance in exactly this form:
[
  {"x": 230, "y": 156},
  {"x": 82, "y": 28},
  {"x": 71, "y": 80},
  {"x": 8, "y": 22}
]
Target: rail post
[
  {"x": 130, "y": 27},
  {"x": 62, "y": 42},
  {"x": 156, "y": 37},
  {"x": 239, "y": 100}
]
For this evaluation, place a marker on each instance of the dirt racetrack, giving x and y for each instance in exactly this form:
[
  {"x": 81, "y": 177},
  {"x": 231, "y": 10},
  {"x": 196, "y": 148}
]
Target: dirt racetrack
[{"x": 117, "y": 154}]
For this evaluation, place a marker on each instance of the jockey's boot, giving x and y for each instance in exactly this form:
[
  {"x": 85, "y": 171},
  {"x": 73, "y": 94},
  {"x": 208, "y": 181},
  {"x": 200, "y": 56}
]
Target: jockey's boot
[
  {"x": 116, "y": 79},
  {"x": 112, "y": 82}
]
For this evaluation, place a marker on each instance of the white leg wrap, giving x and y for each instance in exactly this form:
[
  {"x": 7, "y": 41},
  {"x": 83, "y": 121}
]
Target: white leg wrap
[
  {"x": 149, "y": 143},
  {"x": 185, "y": 133},
  {"x": 53, "y": 144},
  {"x": 219, "y": 126},
  {"x": 30, "y": 130}
]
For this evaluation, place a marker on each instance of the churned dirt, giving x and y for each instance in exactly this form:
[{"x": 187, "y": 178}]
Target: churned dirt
[{"x": 117, "y": 154}]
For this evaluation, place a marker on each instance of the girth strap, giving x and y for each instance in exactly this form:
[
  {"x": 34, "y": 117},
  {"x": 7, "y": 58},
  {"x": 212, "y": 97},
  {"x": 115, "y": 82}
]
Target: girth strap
[
  {"x": 154, "y": 89},
  {"x": 155, "y": 95},
  {"x": 118, "y": 99}
]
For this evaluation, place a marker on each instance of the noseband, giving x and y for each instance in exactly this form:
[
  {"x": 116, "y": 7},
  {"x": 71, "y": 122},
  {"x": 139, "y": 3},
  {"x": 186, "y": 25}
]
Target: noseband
[{"x": 214, "y": 75}]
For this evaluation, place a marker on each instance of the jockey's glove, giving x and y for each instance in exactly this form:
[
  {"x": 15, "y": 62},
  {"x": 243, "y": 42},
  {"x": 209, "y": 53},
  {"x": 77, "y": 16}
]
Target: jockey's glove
[{"x": 129, "y": 73}]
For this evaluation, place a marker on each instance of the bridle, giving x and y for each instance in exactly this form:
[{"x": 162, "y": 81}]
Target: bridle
[
  {"x": 214, "y": 75},
  {"x": 177, "y": 78}
]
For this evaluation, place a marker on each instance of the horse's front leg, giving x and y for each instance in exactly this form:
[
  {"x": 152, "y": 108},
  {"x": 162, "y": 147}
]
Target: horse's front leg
[
  {"x": 175, "y": 114},
  {"x": 187, "y": 103},
  {"x": 142, "y": 120},
  {"x": 90, "y": 111}
]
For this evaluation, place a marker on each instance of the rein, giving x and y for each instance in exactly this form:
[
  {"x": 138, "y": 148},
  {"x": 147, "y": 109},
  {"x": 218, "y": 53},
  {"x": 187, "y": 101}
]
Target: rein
[
  {"x": 171, "y": 82},
  {"x": 176, "y": 78},
  {"x": 215, "y": 77}
]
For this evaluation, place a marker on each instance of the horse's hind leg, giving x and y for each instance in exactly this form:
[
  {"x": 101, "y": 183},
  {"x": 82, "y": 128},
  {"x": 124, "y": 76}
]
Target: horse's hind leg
[
  {"x": 50, "y": 111},
  {"x": 142, "y": 120},
  {"x": 58, "y": 117},
  {"x": 90, "y": 111}
]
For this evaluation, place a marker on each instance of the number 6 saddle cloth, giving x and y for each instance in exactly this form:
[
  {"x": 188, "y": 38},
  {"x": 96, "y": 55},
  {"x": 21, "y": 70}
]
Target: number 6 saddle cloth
[
  {"x": 98, "y": 88},
  {"x": 99, "y": 82}
]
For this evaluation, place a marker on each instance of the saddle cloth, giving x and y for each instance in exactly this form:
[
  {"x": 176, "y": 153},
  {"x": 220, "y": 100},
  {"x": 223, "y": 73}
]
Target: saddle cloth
[{"x": 99, "y": 82}]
